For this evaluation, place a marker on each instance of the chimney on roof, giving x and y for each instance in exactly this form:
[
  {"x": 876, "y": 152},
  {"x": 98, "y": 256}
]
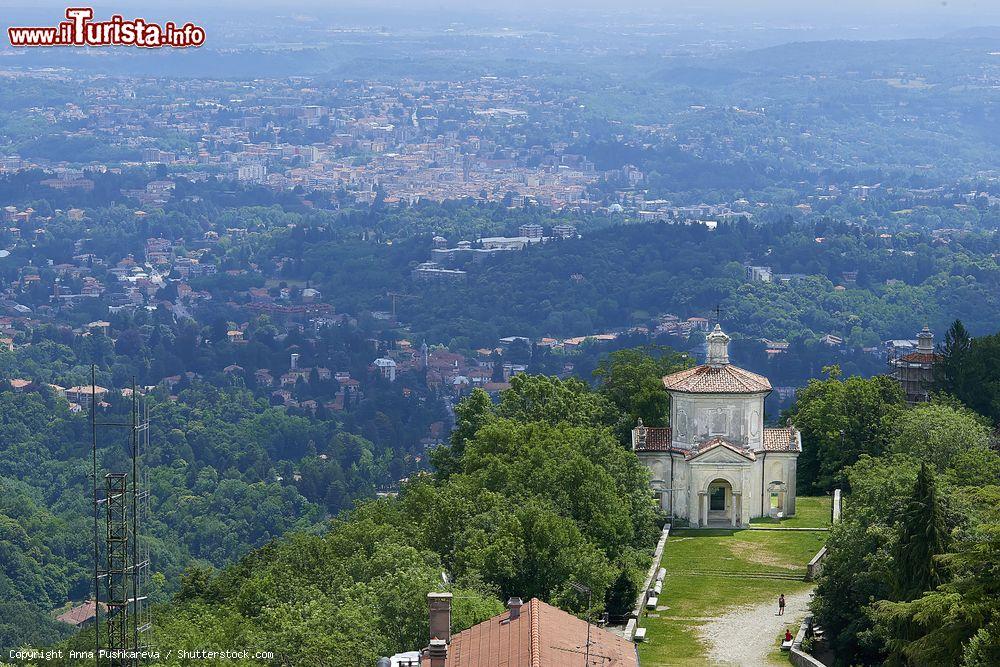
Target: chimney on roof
[
  {"x": 438, "y": 652},
  {"x": 640, "y": 435},
  {"x": 514, "y": 605},
  {"x": 718, "y": 347},
  {"x": 439, "y": 607}
]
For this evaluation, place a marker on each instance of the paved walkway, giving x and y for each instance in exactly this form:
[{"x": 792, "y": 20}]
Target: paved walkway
[{"x": 745, "y": 636}]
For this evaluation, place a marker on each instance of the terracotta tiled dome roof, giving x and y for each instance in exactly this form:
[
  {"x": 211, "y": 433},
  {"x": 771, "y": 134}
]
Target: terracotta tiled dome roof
[{"x": 717, "y": 379}]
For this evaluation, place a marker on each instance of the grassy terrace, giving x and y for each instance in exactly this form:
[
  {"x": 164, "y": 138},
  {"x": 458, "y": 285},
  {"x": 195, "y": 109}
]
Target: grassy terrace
[
  {"x": 810, "y": 512},
  {"x": 712, "y": 571}
]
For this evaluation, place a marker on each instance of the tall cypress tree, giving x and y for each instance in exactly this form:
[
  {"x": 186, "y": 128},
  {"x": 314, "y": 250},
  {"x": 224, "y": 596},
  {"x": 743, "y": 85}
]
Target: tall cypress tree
[
  {"x": 922, "y": 535},
  {"x": 951, "y": 370}
]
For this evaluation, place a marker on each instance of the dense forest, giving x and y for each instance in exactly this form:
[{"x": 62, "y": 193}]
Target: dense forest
[
  {"x": 911, "y": 576},
  {"x": 531, "y": 494},
  {"x": 227, "y": 473},
  {"x": 627, "y": 275}
]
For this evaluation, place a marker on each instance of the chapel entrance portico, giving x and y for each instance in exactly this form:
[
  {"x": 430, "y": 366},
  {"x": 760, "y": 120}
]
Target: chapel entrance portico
[
  {"x": 720, "y": 501},
  {"x": 719, "y": 505}
]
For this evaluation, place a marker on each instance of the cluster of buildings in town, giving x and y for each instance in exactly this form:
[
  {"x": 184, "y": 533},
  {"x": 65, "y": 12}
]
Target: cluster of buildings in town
[
  {"x": 128, "y": 282},
  {"x": 496, "y": 139},
  {"x": 132, "y": 283},
  {"x": 80, "y": 397},
  {"x": 402, "y": 143},
  {"x": 504, "y": 139}
]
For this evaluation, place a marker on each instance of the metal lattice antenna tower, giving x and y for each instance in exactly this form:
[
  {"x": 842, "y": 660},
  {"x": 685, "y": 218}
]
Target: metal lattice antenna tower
[
  {"x": 116, "y": 559},
  {"x": 125, "y": 572},
  {"x": 97, "y": 555}
]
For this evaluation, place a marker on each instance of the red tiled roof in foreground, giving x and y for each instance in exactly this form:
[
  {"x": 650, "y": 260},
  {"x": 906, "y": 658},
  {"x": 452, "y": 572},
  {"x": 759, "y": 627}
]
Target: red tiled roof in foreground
[
  {"x": 541, "y": 636},
  {"x": 718, "y": 379}
]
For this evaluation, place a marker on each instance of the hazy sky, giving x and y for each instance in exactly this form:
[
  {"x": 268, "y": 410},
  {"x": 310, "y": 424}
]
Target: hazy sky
[
  {"x": 722, "y": 8},
  {"x": 873, "y": 18}
]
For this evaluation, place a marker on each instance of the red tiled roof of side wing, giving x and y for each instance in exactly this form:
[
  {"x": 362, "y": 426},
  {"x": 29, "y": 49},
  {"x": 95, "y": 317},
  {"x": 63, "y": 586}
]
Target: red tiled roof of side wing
[
  {"x": 542, "y": 636},
  {"x": 781, "y": 439},
  {"x": 658, "y": 439},
  {"x": 722, "y": 379}
]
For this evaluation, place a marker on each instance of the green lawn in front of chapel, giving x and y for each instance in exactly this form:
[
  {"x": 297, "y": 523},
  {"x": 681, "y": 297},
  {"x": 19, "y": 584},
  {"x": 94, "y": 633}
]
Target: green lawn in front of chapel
[
  {"x": 810, "y": 512},
  {"x": 712, "y": 571}
]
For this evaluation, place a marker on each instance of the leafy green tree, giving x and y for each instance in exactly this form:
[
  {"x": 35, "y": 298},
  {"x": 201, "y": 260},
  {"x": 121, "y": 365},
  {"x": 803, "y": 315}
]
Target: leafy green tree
[
  {"x": 552, "y": 400},
  {"x": 983, "y": 650},
  {"x": 581, "y": 471},
  {"x": 857, "y": 570},
  {"x": 969, "y": 369},
  {"x": 622, "y": 594},
  {"x": 840, "y": 420},
  {"x": 471, "y": 414},
  {"x": 881, "y": 485},
  {"x": 977, "y": 467},
  {"x": 951, "y": 372},
  {"x": 903, "y": 580},
  {"x": 937, "y": 433},
  {"x": 631, "y": 380},
  {"x": 23, "y": 624},
  {"x": 519, "y": 351}
]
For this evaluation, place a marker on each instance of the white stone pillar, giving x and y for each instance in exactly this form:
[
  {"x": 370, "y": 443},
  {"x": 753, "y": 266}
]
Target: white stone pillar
[
  {"x": 737, "y": 509},
  {"x": 792, "y": 481},
  {"x": 702, "y": 509}
]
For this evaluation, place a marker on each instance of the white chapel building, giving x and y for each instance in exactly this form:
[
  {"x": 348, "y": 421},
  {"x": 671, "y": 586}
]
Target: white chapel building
[{"x": 717, "y": 464}]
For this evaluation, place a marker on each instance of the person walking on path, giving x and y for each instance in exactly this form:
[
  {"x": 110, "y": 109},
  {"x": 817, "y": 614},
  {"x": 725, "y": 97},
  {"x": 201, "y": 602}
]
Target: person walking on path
[
  {"x": 781, "y": 605},
  {"x": 745, "y": 635}
]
